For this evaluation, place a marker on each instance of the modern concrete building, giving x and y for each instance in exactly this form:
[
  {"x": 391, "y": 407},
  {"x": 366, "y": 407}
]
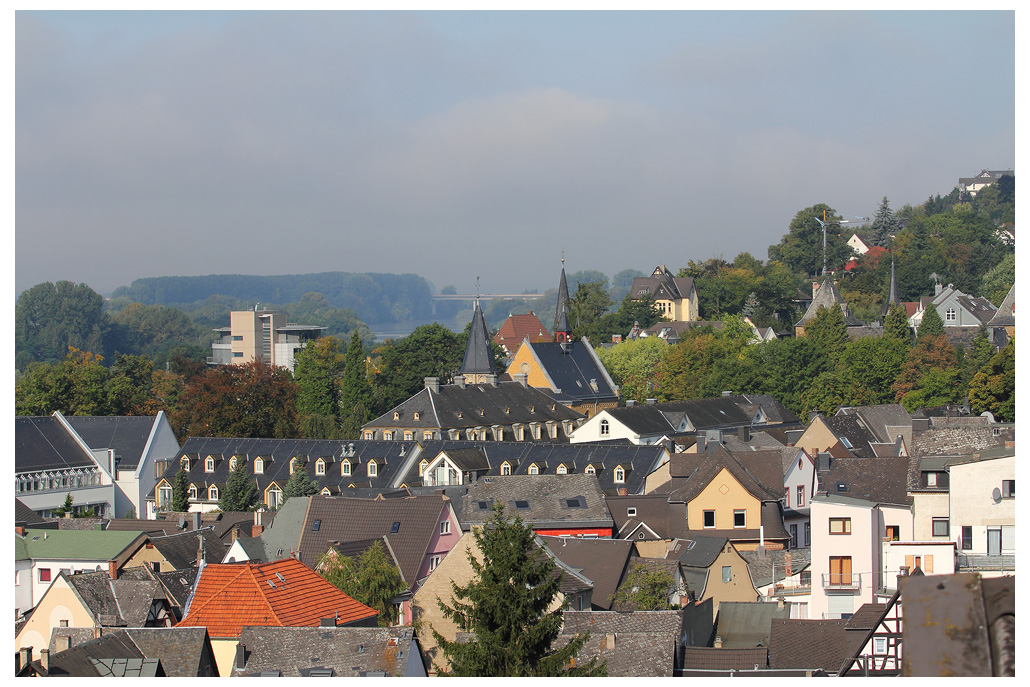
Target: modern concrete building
[{"x": 260, "y": 335}]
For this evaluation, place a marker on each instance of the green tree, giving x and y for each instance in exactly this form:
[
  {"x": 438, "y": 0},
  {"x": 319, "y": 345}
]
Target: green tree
[
  {"x": 371, "y": 579},
  {"x": 932, "y": 325},
  {"x": 317, "y": 370},
  {"x": 588, "y": 305},
  {"x": 75, "y": 386},
  {"x": 633, "y": 366},
  {"x": 505, "y": 605},
  {"x": 240, "y": 493},
  {"x": 993, "y": 388},
  {"x": 872, "y": 365},
  {"x": 999, "y": 279},
  {"x": 895, "y": 325},
  {"x": 299, "y": 483},
  {"x": 51, "y": 318},
  {"x": 802, "y": 247},
  {"x": 937, "y": 387},
  {"x": 828, "y": 331},
  {"x": 356, "y": 388},
  {"x": 181, "y": 492},
  {"x": 644, "y": 589},
  {"x": 828, "y": 392},
  {"x": 431, "y": 350},
  {"x": 885, "y": 224},
  {"x": 930, "y": 353},
  {"x": 66, "y": 507}
]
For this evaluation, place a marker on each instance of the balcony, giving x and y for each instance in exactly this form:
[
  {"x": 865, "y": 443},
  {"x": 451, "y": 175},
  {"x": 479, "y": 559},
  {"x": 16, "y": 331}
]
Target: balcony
[
  {"x": 789, "y": 590},
  {"x": 973, "y": 562},
  {"x": 849, "y": 581}
]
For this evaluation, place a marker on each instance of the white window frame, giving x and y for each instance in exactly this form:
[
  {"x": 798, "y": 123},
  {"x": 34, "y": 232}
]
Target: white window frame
[
  {"x": 370, "y": 435},
  {"x": 232, "y": 463},
  {"x": 445, "y": 527},
  {"x": 619, "y": 475},
  {"x": 319, "y": 467},
  {"x": 259, "y": 466},
  {"x": 705, "y": 525},
  {"x": 879, "y": 646},
  {"x": 434, "y": 562},
  {"x": 209, "y": 464},
  {"x": 373, "y": 469},
  {"x": 631, "y": 512},
  {"x": 345, "y": 468},
  {"x": 736, "y": 512},
  {"x": 193, "y": 492},
  {"x": 505, "y": 469},
  {"x": 212, "y": 493},
  {"x": 387, "y": 435},
  {"x": 950, "y": 315},
  {"x": 422, "y": 467},
  {"x": 561, "y": 470},
  {"x": 533, "y": 469}
]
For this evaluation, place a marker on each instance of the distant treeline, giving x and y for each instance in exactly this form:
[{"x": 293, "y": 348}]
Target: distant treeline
[{"x": 374, "y": 297}]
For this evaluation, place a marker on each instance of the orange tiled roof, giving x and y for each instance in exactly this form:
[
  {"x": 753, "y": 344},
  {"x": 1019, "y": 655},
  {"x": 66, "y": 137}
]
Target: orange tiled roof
[
  {"x": 519, "y": 327},
  {"x": 229, "y": 596}
]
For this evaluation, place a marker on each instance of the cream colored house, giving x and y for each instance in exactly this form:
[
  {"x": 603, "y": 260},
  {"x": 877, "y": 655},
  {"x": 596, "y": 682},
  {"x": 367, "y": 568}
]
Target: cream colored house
[
  {"x": 260, "y": 335},
  {"x": 983, "y": 512}
]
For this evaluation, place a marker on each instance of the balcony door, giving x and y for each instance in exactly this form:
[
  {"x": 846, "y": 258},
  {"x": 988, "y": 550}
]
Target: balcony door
[
  {"x": 840, "y": 571},
  {"x": 993, "y": 541}
]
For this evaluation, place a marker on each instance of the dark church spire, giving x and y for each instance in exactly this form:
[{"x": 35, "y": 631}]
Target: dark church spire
[
  {"x": 892, "y": 290},
  {"x": 479, "y": 357},
  {"x": 561, "y": 320}
]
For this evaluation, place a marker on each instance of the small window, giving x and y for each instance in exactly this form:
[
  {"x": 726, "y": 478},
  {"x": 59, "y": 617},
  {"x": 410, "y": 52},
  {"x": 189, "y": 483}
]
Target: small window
[
  {"x": 396, "y": 416},
  {"x": 193, "y": 492},
  {"x": 879, "y": 645},
  {"x": 64, "y": 623},
  {"x": 408, "y": 436},
  {"x": 416, "y": 416},
  {"x": 727, "y": 573},
  {"x": 209, "y": 464},
  {"x": 801, "y": 496},
  {"x": 892, "y": 533},
  {"x": 967, "y": 537},
  {"x": 320, "y": 467},
  {"x": 631, "y": 512},
  {"x": 931, "y": 479},
  {"x": 590, "y": 470},
  {"x": 237, "y": 337},
  {"x": 619, "y": 475},
  {"x": 793, "y": 536},
  {"x": 232, "y": 464},
  {"x": 940, "y": 527},
  {"x": 237, "y": 354},
  {"x": 483, "y": 505},
  {"x": 433, "y": 562},
  {"x": 522, "y": 505},
  {"x": 345, "y": 468},
  {"x": 369, "y": 435},
  {"x": 846, "y": 442},
  {"x": 422, "y": 467},
  {"x": 445, "y": 527},
  {"x": 212, "y": 493},
  {"x": 950, "y": 315},
  {"x": 395, "y": 528},
  {"x": 709, "y": 519},
  {"x": 562, "y": 470},
  {"x": 840, "y": 525},
  {"x": 604, "y": 428},
  {"x": 259, "y": 466},
  {"x": 739, "y": 518},
  {"x": 1008, "y": 488},
  {"x": 533, "y": 469},
  {"x": 373, "y": 469},
  {"x": 387, "y": 435},
  {"x": 316, "y": 525},
  {"x": 427, "y": 436},
  {"x": 505, "y": 469},
  {"x": 573, "y": 503},
  {"x": 44, "y": 574}
]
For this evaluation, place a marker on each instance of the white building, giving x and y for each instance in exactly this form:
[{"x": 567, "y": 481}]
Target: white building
[{"x": 982, "y": 503}]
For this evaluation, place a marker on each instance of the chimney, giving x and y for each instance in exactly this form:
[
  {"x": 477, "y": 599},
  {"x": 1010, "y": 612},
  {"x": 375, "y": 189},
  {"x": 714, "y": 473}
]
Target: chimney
[
  {"x": 616, "y": 338},
  {"x": 200, "y": 549},
  {"x": 257, "y": 527},
  {"x": 522, "y": 378},
  {"x": 112, "y": 569},
  {"x": 937, "y": 288},
  {"x": 24, "y": 656},
  {"x": 744, "y": 434},
  {"x": 700, "y": 446},
  {"x": 630, "y": 402},
  {"x": 920, "y": 424},
  {"x": 491, "y": 380},
  {"x": 235, "y": 533},
  {"x": 433, "y": 384},
  {"x": 459, "y": 381},
  {"x": 813, "y": 414},
  {"x": 610, "y": 641},
  {"x": 652, "y": 401},
  {"x": 717, "y": 644},
  {"x": 241, "y": 656},
  {"x": 44, "y": 659},
  {"x": 822, "y": 461},
  {"x": 779, "y": 602},
  {"x": 196, "y": 521},
  {"x": 19, "y": 531},
  {"x": 64, "y": 642}
]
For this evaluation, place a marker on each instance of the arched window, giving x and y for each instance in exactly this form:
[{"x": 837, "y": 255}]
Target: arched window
[
  {"x": 259, "y": 466},
  {"x": 232, "y": 463},
  {"x": 274, "y": 498},
  {"x": 604, "y": 428},
  {"x": 422, "y": 467},
  {"x": 533, "y": 469},
  {"x": 589, "y": 470},
  {"x": 619, "y": 475},
  {"x": 212, "y": 493},
  {"x": 294, "y": 464},
  {"x": 345, "y": 468},
  {"x": 193, "y": 492},
  {"x": 184, "y": 463},
  {"x": 505, "y": 469},
  {"x": 319, "y": 467},
  {"x": 562, "y": 470},
  {"x": 373, "y": 469},
  {"x": 209, "y": 464}
]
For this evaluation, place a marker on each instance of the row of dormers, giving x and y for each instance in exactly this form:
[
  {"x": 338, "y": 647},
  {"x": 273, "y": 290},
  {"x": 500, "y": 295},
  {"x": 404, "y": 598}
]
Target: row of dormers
[
  {"x": 442, "y": 471},
  {"x": 271, "y": 498},
  {"x": 260, "y": 464},
  {"x": 530, "y": 431}
]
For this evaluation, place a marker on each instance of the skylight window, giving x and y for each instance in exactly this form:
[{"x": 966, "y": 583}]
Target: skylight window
[
  {"x": 395, "y": 527},
  {"x": 483, "y": 505},
  {"x": 573, "y": 503},
  {"x": 522, "y": 505},
  {"x": 315, "y": 525}
]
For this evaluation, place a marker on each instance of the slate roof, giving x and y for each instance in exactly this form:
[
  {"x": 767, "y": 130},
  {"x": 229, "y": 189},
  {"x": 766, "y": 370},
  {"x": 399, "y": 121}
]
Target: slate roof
[
  {"x": 880, "y": 480},
  {"x": 25, "y": 516},
  {"x": 881, "y": 420},
  {"x": 179, "y": 651},
  {"x": 827, "y": 296},
  {"x": 127, "y": 435},
  {"x": 1005, "y": 316},
  {"x": 723, "y": 659},
  {"x": 661, "y": 284},
  {"x": 175, "y": 584},
  {"x": 763, "y": 568},
  {"x": 646, "y": 642},
  {"x": 636, "y": 461},
  {"x": 117, "y": 603},
  {"x": 807, "y": 644},
  {"x": 958, "y": 440},
  {"x": 718, "y": 412},
  {"x": 855, "y": 431},
  {"x": 180, "y": 549},
  {"x": 86, "y": 545},
  {"x": 651, "y": 566},
  {"x": 479, "y": 357},
  {"x": 699, "y": 552},
  {"x": 282, "y": 593},
  {"x": 746, "y": 624},
  {"x": 546, "y": 497},
  {"x": 346, "y": 651},
  {"x": 759, "y": 472},
  {"x": 347, "y": 519},
  {"x": 603, "y": 561},
  {"x": 519, "y": 327},
  {"x": 277, "y": 454},
  {"x": 653, "y": 512},
  {"x": 43, "y": 443},
  {"x": 574, "y": 371}
]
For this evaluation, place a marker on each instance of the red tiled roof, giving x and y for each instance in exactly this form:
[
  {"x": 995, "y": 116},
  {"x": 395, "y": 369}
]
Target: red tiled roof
[
  {"x": 230, "y": 596},
  {"x": 519, "y": 327}
]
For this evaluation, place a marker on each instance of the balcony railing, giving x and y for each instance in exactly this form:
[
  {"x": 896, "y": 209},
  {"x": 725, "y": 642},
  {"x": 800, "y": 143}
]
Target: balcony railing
[
  {"x": 789, "y": 590},
  {"x": 842, "y": 580},
  {"x": 973, "y": 561}
]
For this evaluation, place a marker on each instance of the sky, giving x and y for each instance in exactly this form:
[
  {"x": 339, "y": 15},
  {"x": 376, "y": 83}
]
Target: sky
[{"x": 458, "y": 145}]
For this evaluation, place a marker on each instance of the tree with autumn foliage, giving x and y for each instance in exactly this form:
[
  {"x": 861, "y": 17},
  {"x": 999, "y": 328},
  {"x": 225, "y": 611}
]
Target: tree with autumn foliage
[
  {"x": 253, "y": 400},
  {"x": 930, "y": 374},
  {"x": 993, "y": 388}
]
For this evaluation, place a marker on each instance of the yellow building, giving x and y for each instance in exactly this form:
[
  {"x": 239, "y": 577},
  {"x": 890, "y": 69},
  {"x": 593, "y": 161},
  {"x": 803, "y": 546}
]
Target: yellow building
[
  {"x": 260, "y": 335},
  {"x": 674, "y": 297}
]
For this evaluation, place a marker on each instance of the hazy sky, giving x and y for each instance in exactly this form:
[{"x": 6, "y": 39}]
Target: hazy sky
[{"x": 456, "y": 144}]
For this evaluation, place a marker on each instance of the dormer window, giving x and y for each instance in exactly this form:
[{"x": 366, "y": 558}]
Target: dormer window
[
  {"x": 422, "y": 467},
  {"x": 184, "y": 463},
  {"x": 319, "y": 467},
  {"x": 533, "y": 469},
  {"x": 505, "y": 468},
  {"x": 417, "y": 416},
  {"x": 345, "y": 468},
  {"x": 212, "y": 493},
  {"x": 209, "y": 464},
  {"x": 193, "y": 492},
  {"x": 232, "y": 464},
  {"x": 259, "y": 466},
  {"x": 373, "y": 469},
  {"x": 589, "y": 470},
  {"x": 294, "y": 464},
  {"x": 619, "y": 475},
  {"x": 396, "y": 415},
  {"x": 562, "y": 470},
  {"x": 387, "y": 435},
  {"x": 369, "y": 435}
]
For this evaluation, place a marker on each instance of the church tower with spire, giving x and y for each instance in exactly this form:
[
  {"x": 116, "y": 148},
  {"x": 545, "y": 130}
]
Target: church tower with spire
[
  {"x": 892, "y": 292},
  {"x": 562, "y": 329},
  {"x": 478, "y": 366}
]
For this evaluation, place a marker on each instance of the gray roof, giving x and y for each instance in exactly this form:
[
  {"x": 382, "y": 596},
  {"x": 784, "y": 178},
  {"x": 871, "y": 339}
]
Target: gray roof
[
  {"x": 699, "y": 552},
  {"x": 179, "y": 650},
  {"x": 746, "y": 624},
  {"x": 808, "y": 644},
  {"x": 575, "y": 371},
  {"x": 879, "y": 480},
  {"x": 828, "y": 297},
  {"x": 546, "y": 497},
  {"x": 724, "y": 659},
  {"x": 479, "y": 356},
  {"x": 345, "y": 651},
  {"x": 43, "y": 443},
  {"x": 653, "y": 514},
  {"x": 1006, "y": 313},
  {"x": 771, "y": 567},
  {"x": 602, "y": 561},
  {"x": 117, "y": 603},
  {"x": 645, "y": 642},
  {"x": 882, "y": 420},
  {"x": 25, "y": 516},
  {"x": 126, "y": 435},
  {"x": 181, "y": 549}
]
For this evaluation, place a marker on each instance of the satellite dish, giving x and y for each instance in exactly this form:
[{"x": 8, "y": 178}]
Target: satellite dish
[{"x": 996, "y": 495}]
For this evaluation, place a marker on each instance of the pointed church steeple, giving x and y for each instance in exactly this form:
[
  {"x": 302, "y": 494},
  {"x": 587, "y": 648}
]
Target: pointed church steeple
[
  {"x": 562, "y": 330},
  {"x": 892, "y": 291},
  {"x": 479, "y": 357}
]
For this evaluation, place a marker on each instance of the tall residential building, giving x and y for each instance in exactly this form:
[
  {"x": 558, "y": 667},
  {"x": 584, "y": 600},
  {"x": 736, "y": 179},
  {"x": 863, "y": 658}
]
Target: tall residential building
[{"x": 260, "y": 334}]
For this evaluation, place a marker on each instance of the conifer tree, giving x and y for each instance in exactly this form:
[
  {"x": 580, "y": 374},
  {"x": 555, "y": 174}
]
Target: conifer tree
[
  {"x": 299, "y": 484},
  {"x": 371, "y": 578},
  {"x": 895, "y": 326},
  {"x": 240, "y": 493},
  {"x": 181, "y": 492},
  {"x": 885, "y": 224},
  {"x": 932, "y": 324},
  {"x": 356, "y": 390},
  {"x": 505, "y": 606},
  {"x": 828, "y": 331}
]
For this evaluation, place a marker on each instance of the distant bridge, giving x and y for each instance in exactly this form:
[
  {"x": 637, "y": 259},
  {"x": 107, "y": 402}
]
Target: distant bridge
[{"x": 438, "y": 297}]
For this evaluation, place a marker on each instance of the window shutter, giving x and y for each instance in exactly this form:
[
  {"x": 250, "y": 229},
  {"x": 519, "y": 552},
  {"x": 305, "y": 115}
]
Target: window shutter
[
  {"x": 929, "y": 565},
  {"x": 909, "y": 560}
]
